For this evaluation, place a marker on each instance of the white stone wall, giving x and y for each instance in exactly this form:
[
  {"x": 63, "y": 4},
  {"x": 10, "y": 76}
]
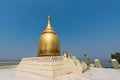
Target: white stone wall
[{"x": 51, "y": 67}]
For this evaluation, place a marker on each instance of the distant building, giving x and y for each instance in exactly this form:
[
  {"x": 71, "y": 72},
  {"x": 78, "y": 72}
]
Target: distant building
[{"x": 116, "y": 56}]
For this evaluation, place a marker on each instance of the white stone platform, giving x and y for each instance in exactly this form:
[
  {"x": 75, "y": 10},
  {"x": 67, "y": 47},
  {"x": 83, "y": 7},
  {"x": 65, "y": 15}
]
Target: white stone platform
[{"x": 51, "y": 66}]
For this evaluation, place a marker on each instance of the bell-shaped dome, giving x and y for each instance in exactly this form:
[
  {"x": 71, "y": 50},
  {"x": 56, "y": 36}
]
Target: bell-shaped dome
[{"x": 49, "y": 44}]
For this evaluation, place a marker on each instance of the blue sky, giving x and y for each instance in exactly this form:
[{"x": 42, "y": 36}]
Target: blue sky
[{"x": 83, "y": 26}]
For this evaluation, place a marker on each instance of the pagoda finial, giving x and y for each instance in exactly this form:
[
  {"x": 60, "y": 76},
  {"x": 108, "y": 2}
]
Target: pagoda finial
[
  {"x": 49, "y": 25},
  {"x": 48, "y": 17}
]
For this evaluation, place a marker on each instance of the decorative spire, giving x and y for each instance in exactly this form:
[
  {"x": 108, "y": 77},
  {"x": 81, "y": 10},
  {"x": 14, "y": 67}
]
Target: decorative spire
[
  {"x": 49, "y": 25},
  {"x": 48, "y": 19},
  {"x": 49, "y": 28}
]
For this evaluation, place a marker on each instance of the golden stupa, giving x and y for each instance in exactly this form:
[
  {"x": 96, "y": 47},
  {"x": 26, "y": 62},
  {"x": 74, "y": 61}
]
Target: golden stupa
[{"x": 49, "y": 44}]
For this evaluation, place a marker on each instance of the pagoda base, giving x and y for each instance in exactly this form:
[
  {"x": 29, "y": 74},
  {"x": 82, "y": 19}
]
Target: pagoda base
[{"x": 51, "y": 66}]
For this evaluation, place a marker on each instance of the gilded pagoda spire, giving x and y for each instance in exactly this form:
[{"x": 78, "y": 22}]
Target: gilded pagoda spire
[
  {"x": 49, "y": 44},
  {"x": 49, "y": 24},
  {"x": 48, "y": 19},
  {"x": 49, "y": 27}
]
